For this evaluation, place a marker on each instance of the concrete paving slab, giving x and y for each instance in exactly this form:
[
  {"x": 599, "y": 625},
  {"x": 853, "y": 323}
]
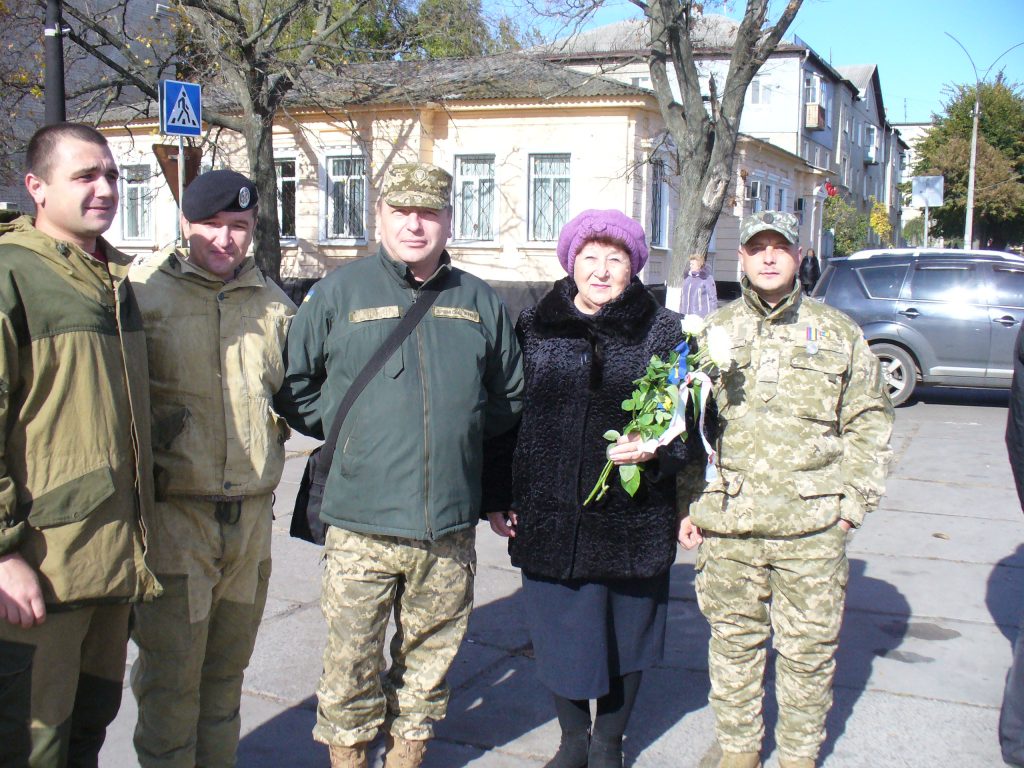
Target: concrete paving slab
[
  {"x": 925, "y": 643},
  {"x": 982, "y": 540}
]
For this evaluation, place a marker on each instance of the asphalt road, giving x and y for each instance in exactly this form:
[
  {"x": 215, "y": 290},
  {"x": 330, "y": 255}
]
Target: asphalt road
[{"x": 936, "y": 589}]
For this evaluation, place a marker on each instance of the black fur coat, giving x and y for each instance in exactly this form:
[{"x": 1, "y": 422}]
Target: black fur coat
[{"x": 578, "y": 370}]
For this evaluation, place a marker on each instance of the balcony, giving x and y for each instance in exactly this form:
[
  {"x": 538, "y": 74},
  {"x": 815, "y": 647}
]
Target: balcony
[{"x": 814, "y": 117}]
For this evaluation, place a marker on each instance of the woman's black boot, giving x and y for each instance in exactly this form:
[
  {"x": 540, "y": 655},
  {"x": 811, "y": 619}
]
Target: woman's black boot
[{"x": 574, "y": 720}]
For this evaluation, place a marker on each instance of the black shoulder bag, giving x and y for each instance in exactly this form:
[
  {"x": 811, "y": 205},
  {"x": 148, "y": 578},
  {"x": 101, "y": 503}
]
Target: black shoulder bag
[{"x": 306, "y": 522}]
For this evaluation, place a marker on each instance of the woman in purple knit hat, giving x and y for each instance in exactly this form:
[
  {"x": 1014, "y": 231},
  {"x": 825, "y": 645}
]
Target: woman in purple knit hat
[{"x": 595, "y": 578}]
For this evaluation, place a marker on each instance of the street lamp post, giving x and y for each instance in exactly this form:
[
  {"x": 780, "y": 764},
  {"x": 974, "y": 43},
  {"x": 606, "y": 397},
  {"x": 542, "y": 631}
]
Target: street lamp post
[
  {"x": 969, "y": 218},
  {"x": 53, "y": 87}
]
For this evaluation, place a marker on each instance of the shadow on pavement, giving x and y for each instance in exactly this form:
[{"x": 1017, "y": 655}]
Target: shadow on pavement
[
  {"x": 504, "y": 703},
  {"x": 991, "y": 398},
  {"x": 1002, "y": 593},
  {"x": 864, "y": 637}
]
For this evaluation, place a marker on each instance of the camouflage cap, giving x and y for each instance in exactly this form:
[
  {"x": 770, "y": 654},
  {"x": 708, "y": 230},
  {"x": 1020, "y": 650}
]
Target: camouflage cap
[
  {"x": 785, "y": 224},
  {"x": 417, "y": 185}
]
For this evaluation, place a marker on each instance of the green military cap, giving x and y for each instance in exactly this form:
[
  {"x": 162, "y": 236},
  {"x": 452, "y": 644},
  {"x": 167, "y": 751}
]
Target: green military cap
[
  {"x": 785, "y": 224},
  {"x": 417, "y": 185}
]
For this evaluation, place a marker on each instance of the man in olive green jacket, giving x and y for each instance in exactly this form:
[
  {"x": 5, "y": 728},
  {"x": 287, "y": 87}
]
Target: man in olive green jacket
[
  {"x": 216, "y": 331},
  {"x": 403, "y": 494},
  {"x": 75, "y": 471}
]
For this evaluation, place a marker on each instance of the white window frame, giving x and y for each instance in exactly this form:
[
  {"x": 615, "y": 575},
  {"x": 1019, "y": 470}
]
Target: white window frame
[
  {"x": 327, "y": 208},
  {"x": 294, "y": 178},
  {"x": 760, "y": 91},
  {"x": 476, "y": 181},
  {"x": 532, "y": 177},
  {"x": 125, "y": 188}
]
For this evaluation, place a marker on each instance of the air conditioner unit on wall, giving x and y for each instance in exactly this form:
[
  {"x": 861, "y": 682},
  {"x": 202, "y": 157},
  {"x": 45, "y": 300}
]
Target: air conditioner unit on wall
[{"x": 754, "y": 190}]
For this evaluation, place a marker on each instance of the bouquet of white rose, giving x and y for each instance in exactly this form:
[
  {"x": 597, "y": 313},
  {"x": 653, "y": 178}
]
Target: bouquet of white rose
[{"x": 659, "y": 401}]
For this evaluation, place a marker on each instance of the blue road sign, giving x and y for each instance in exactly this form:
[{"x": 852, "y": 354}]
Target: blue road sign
[{"x": 181, "y": 110}]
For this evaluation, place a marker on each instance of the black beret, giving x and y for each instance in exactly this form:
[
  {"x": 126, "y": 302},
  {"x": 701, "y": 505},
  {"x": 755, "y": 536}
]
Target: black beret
[{"x": 216, "y": 191}]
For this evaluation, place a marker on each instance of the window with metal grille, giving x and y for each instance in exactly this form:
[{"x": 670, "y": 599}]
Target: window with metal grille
[
  {"x": 659, "y": 203},
  {"x": 346, "y": 197},
  {"x": 549, "y": 195},
  {"x": 474, "y": 197}
]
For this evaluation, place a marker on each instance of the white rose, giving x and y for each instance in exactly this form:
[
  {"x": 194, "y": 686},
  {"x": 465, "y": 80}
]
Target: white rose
[
  {"x": 719, "y": 347},
  {"x": 693, "y": 325}
]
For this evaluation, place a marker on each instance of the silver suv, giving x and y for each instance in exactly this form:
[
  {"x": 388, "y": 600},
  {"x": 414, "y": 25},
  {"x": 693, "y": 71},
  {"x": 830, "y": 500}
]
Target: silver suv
[{"x": 938, "y": 316}]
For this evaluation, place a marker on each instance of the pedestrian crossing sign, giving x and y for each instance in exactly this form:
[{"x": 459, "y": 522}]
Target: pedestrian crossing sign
[{"x": 181, "y": 110}]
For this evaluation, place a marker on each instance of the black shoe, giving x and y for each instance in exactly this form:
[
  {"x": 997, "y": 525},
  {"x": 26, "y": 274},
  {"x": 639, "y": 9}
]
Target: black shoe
[
  {"x": 604, "y": 754},
  {"x": 572, "y": 751}
]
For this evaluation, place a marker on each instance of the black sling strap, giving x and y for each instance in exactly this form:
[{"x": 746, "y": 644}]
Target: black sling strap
[
  {"x": 419, "y": 308},
  {"x": 306, "y": 523}
]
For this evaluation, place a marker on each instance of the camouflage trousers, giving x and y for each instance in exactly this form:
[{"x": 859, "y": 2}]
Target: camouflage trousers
[
  {"x": 794, "y": 587},
  {"x": 428, "y": 587},
  {"x": 213, "y": 560},
  {"x": 60, "y": 686}
]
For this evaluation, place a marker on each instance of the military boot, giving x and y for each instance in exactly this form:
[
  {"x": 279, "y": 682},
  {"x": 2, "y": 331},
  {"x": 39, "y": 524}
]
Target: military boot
[
  {"x": 402, "y": 753},
  {"x": 740, "y": 760},
  {"x": 348, "y": 757},
  {"x": 795, "y": 762}
]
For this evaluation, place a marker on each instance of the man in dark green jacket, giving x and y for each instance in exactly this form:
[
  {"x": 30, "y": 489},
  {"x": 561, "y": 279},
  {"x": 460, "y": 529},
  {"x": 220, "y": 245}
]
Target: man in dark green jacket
[
  {"x": 75, "y": 465},
  {"x": 403, "y": 495}
]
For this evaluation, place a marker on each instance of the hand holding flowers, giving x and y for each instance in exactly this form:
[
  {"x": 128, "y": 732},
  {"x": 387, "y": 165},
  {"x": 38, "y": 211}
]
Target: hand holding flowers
[{"x": 659, "y": 403}]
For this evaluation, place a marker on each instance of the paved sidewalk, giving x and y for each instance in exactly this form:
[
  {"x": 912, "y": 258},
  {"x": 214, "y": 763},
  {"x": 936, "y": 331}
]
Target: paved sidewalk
[{"x": 935, "y": 591}]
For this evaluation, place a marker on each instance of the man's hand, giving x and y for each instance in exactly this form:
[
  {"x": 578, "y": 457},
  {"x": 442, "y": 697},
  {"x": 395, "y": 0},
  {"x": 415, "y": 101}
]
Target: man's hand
[
  {"x": 21, "y": 599},
  {"x": 688, "y": 535},
  {"x": 845, "y": 525},
  {"x": 503, "y": 523}
]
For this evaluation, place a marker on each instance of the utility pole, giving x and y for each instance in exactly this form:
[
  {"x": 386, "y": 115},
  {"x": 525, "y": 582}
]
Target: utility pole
[
  {"x": 54, "y": 49},
  {"x": 969, "y": 218}
]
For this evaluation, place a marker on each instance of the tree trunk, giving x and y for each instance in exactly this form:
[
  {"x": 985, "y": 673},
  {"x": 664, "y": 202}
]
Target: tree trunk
[{"x": 259, "y": 147}]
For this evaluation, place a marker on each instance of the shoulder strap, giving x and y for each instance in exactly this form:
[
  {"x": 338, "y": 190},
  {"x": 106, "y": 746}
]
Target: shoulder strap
[{"x": 426, "y": 297}]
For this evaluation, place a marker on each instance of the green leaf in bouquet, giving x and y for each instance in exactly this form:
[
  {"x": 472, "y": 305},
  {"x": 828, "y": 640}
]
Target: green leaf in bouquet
[
  {"x": 611, "y": 435},
  {"x": 627, "y": 405},
  {"x": 629, "y": 476}
]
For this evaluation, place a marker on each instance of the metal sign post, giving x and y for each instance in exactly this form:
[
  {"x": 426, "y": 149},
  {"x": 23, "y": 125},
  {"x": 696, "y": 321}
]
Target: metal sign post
[
  {"x": 926, "y": 191},
  {"x": 181, "y": 114}
]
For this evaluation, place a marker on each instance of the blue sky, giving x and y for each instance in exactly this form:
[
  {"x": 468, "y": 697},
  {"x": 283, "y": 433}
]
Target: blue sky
[{"x": 905, "y": 38}]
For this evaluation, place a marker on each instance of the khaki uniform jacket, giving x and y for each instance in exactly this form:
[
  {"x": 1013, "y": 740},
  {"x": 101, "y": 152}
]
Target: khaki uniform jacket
[
  {"x": 75, "y": 462},
  {"x": 216, "y": 358},
  {"x": 805, "y": 425}
]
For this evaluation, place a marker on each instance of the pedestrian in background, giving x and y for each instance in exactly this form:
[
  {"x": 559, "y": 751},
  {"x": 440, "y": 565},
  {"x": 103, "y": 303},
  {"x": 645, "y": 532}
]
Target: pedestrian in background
[
  {"x": 810, "y": 271},
  {"x": 700, "y": 294},
  {"x": 403, "y": 494},
  {"x": 801, "y": 459},
  {"x": 215, "y": 327},
  {"x": 1011, "y": 716},
  {"x": 75, "y": 464},
  {"x": 595, "y": 579}
]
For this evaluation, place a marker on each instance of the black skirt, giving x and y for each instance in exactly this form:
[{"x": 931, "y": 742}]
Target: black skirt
[{"x": 586, "y": 632}]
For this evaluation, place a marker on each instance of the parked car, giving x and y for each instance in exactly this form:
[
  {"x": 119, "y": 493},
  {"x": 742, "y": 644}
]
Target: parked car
[{"x": 937, "y": 315}]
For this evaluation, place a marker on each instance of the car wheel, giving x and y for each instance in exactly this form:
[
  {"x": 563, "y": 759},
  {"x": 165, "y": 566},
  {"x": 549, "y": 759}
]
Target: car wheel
[{"x": 898, "y": 371}]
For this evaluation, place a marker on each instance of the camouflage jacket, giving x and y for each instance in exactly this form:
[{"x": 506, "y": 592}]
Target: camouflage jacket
[
  {"x": 216, "y": 359},
  {"x": 805, "y": 426},
  {"x": 75, "y": 462}
]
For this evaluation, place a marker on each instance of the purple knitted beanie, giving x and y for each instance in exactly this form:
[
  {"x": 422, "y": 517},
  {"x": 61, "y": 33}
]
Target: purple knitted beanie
[{"x": 592, "y": 225}]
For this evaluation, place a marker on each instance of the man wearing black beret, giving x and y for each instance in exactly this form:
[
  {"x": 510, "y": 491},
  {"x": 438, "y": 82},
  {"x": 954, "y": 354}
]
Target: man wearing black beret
[{"x": 216, "y": 329}]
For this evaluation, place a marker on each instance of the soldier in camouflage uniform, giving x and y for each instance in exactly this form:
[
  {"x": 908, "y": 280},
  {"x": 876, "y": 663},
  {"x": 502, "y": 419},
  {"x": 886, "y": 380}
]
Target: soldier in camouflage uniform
[
  {"x": 404, "y": 490},
  {"x": 801, "y": 458}
]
